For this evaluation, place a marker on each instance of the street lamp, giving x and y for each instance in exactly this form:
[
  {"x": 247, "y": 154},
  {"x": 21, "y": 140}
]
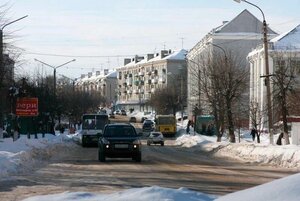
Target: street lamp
[
  {"x": 225, "y": 55},
  {"x": 267, "y": 76},
  {"x": 2, "y": 69},
  {"x": 54, "y": 71}
]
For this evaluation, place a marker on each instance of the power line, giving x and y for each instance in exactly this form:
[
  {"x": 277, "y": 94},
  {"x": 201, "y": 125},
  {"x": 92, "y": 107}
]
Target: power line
[{"x": 78, "y": 56}]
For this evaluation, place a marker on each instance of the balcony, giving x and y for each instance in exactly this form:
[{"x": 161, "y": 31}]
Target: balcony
[
  {"x": 154, "y": 81},
  {"x": 162, "y": 80}
]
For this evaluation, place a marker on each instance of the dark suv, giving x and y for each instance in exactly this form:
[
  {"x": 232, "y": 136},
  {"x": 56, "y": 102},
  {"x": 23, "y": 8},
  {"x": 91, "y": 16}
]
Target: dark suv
[
  {"x": 119, "y": 140},
  {"x": 148, "y": 125}
]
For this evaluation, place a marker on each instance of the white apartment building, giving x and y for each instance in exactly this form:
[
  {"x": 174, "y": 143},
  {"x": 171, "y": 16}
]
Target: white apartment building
[
  {"x": 102, "y": 82},
  {"x": 142, "y": 75},
  {"x": 283, "y": 48},
  {"x": 236, "y": 37}
]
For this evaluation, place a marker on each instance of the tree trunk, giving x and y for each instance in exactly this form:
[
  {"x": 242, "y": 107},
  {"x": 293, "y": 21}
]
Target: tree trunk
[
  {"x": 230, "y": 122},
  {"x": 284, "y": 119}
]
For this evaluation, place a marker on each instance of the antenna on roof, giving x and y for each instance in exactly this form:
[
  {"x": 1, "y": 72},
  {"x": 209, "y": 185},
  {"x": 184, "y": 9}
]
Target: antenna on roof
[{"x": 181, "y": 42}]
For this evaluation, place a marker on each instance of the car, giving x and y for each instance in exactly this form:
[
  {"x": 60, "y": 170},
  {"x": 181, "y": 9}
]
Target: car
[
  {"x": 120, "y": 140},
  {"x": 132, "y": 119},
  {"x": 143, "y": 119},
  {"x": 156, "y": 138},
  {"x": 148, "y": 125},
  {"x": 123, "y": 112},
  {"x": 117, "y": 112}
]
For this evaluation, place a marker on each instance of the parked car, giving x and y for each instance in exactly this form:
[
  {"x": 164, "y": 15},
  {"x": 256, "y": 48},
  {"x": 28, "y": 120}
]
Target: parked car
[
  {"x": 156, "y": 138},
  {"x": 117, "y": 112},
  {"x": 119, "y": 140},
  {"x": 143, "y": 119},
  {"x": 132, "y": 119},
  {"x": 148, "y": 125},
  {"x": 123, "y": 112}
]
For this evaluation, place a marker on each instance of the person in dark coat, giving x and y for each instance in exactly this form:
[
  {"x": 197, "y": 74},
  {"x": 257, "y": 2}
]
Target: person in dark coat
[
  {"x": 253, "y": 133},
  {"x": 188, "y": 127},
  {"x": 279, "y": 139}
]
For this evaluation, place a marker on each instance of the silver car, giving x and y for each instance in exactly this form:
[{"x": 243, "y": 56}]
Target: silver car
[{"x": 156, "y": 138}]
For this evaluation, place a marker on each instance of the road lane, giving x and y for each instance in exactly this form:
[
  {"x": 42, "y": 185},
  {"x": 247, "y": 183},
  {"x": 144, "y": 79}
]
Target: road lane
[{"x": 77, "y": 169}]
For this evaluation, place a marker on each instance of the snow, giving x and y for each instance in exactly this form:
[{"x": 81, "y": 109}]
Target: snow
[
  {"x": 27, "y": 154},
  {"x": 288, "y": 40}
]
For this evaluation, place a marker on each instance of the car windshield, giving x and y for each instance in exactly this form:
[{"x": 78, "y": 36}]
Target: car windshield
[
  {"x": 94, "y": 121},
  {"x": 155, "y": 134},
  {"x": 120, "y": 131}
]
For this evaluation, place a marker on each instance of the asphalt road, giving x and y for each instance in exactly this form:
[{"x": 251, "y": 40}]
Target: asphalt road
[{"x": 77, "y": 169}]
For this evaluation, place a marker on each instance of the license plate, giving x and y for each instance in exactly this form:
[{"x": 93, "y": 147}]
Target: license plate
[{"x": 121, "y": 146}]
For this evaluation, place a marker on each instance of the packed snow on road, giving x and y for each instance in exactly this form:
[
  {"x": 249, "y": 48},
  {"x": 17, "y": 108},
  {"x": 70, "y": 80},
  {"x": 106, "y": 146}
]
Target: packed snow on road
[{"x": 31, "y": 153}]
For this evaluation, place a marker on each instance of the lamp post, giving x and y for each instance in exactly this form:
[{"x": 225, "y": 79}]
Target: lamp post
[
  {"x": 54, "y": 71},
  {"x": 267, "y": 76},
  {"x": 2, "y": 70},
  {"x": 225, "y": 55}
]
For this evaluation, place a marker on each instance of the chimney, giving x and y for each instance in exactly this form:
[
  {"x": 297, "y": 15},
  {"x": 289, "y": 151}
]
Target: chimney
[
  {"x": 82, "y": 76},
  {"x": 105, "y": 71},
  {"x": 224, "y": 22},
  {"x": 127, "y": 61},
  {"x": 97, "y": 73},
  {"x": 163, "y": 53},
  {"x": 90, "y": 74},
  {"x": 138, "y": 58},
  {"x": 150, "y": 56}
]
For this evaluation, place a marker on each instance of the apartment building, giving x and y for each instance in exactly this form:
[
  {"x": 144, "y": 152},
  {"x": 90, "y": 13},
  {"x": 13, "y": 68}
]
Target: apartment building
[
  {"x": 284, "y": 51},
  {"x": 236, "y": 37},
  {"x": 140, "y": 76},
  {"x": 102, "y": 82}
]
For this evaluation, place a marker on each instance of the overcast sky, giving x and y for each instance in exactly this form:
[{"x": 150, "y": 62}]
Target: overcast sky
[{"x": 114, "y": 29}]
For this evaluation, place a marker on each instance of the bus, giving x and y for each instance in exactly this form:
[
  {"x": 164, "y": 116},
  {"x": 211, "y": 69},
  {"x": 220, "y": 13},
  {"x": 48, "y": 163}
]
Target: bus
[
  {"x": 166, "y": 124},
  {"x": 92, "y": 127}
]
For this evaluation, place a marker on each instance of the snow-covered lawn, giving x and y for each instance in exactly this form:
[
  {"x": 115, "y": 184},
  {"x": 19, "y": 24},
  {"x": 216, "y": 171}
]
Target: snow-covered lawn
[{"x": 26, "y": 154}]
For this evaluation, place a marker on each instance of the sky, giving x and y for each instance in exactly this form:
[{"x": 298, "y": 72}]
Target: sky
[{"x": 100, "y": 34}]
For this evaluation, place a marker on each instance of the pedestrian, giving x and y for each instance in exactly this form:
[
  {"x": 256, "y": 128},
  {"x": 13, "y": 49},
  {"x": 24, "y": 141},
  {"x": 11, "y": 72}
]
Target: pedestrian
[
  {"x": 279, "y": 139},
  {"x": 188, "y": 127},
  {"x": 253, "y": 133}
]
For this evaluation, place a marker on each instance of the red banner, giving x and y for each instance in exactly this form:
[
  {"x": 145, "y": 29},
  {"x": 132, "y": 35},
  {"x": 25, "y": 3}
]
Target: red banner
[{"x": 27, "y": 107}]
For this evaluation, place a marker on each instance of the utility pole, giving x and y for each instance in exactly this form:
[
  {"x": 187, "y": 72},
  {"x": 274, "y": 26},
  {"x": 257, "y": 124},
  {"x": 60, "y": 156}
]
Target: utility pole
[
  {"x": 2, "y": 71},
  {"x": 54, "y": 72},
  {"x": 267, "y": 76}
]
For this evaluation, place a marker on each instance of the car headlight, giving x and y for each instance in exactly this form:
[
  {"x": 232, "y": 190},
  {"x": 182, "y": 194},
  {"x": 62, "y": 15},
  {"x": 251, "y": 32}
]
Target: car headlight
[{"x": 136, "y": 144}]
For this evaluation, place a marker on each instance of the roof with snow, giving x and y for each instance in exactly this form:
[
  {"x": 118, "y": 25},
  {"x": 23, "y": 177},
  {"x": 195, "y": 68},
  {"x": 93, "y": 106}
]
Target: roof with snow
[
  {"x": 245, "y": 22},
  {"x": 175, "y": 55},
  {"x": 288, "y": 40}
]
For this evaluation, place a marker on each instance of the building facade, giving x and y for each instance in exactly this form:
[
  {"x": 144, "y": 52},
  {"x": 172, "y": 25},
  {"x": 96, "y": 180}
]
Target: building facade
[
  {"x": 142, "y": 75},
  {"x": 283, "y": 50},
  {"x": 103, "y": 83},
  {"x": 236, "y": 37}
]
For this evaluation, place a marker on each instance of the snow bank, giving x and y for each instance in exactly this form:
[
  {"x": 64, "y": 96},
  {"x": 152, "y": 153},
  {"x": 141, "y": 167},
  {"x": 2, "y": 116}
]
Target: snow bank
[
  {"x": 287, "y": 188},
  {"x": 25, "y": 154},
  {"x": 287, "y": 156},
  {"x": 153, "y": 193}
]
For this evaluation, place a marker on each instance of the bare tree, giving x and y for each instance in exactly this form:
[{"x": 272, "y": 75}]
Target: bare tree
[
  {"x": 256, "y": 117},
  {"x": 284, "y": 79}
]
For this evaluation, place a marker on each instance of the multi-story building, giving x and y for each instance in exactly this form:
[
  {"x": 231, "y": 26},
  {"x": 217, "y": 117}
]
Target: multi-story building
[
  {"x": 283, "y": 50},
  {"x": 142, "y": 75},
  {"x": 236, "y": 37},
  {"x": 102, "y": 82}
]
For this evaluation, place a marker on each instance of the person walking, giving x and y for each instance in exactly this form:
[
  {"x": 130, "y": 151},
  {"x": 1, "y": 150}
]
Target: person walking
[
  {"x": 253, "y": 133},
  {"x": 188, "y": 127}
]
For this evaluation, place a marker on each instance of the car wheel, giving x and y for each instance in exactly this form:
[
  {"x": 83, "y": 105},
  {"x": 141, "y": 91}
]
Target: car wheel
[
  {"x": 101, "y": 156},
  {"x": 138, "y": 157},
  {"x": 162, "y": 143},
  {"x": 148, "y": 143},
  {"x": 83, "y": 143}
]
